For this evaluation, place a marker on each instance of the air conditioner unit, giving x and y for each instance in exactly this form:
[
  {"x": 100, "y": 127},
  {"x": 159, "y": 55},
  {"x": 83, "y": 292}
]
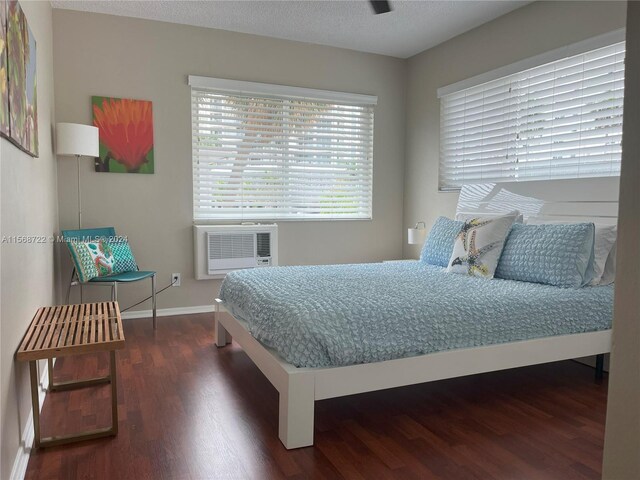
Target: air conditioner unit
[{"x": 220, "y": 249}]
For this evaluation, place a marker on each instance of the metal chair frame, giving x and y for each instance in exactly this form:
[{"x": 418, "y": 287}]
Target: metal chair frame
[
  {"x": 114, "y": 291},
  {"x": 75, "y": 281}
]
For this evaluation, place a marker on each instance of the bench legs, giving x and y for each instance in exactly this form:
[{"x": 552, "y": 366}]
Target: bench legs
[
  {"x": 63, "y": 439},
  {"x": 153, "y": 301},
  {"x": 73, "y": 384},
  {"x": 295, "y": 421}
]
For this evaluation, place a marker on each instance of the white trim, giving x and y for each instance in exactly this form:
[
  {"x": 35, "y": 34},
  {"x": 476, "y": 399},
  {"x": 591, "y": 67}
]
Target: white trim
[
  {"x": 563, "y": 52},
  {"x": 579, "y": 199},
  {"x": 299, "y": 388},
  {"x": 340, "y": 381},
  {"x": 254, "y": 88},
  {"x": 167, "y": 312},
  {"x": 21, "y": 461}
]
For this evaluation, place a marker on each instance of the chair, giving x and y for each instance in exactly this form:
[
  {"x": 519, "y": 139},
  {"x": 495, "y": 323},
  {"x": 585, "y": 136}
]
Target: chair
[{"x": 111, "y": 280}]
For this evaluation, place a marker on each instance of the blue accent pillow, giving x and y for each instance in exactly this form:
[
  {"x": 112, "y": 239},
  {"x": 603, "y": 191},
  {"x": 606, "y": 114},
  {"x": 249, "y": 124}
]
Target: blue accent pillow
[
  {"x": 553, "y": 254},
  {"x": 438, "y": 247}
]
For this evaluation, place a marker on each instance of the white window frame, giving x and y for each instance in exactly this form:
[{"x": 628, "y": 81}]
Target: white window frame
[
  {"x": 233, "y": 88},
  {"x": 504, "y": 73}
]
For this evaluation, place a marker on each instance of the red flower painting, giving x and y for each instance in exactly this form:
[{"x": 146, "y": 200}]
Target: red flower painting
[{"x": 126, "y": 134}]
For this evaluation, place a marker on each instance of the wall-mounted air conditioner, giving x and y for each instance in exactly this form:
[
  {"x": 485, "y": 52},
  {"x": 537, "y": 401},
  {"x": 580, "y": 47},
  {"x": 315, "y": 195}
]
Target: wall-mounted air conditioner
[{"x": 220, "y": 249}]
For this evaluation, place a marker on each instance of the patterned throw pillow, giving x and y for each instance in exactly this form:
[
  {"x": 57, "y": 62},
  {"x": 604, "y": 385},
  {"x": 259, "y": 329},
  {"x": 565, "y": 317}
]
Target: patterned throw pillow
[
  {"x": 479, "y": 244},
  {"x": 91, "y": 259},
  {"x": 123, "y": 257}
]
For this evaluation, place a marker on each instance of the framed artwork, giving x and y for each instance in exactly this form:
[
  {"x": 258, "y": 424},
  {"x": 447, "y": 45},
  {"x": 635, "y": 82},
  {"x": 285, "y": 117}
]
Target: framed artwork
[
  {"x": 126, "y": 134},
  {"x": 18, "y": 79},
  {"x": 4, "y": 78}
]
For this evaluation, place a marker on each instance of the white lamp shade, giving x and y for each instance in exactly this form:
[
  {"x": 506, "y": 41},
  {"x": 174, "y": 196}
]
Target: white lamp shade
[
  {"x": 77, "y": 139},
  {"x": 417, "y": 236}
]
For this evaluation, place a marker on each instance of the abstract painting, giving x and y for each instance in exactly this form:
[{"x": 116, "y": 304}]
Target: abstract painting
[
  {"x": 126, "y": 134},
  {"x": 4, "y": 83},
  {"x": 22, "y": 83}
]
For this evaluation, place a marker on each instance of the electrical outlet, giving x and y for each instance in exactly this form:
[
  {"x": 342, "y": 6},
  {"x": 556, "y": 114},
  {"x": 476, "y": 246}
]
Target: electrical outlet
[{"x": 175, "y": 279}]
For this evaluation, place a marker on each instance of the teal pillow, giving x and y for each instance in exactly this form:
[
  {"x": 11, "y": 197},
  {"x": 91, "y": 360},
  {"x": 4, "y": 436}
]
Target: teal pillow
[
  {"x": 438, "y": 247},
  {"x": 123, "y": 260},
  {"x": 91, "y": 259},
  {"x": 553, "y": 254}
]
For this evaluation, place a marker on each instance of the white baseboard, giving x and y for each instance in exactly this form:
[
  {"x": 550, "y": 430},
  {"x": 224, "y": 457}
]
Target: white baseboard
[
  {"x": 167, "y": 312},
  {"x": 24, "y": 450}
]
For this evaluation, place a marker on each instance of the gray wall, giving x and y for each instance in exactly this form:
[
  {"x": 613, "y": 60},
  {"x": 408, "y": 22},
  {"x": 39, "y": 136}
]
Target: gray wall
[
  {"x": 123, "y": 57},
  {"x": 105, "y": 55},
  {"x": 28, "y": 206},
  {"x": 528, "y": 31},
  {"x": 622, "y": 438}
]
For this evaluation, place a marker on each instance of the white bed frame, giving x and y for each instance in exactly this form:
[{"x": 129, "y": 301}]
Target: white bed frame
[{"x": 299, "y": 388}]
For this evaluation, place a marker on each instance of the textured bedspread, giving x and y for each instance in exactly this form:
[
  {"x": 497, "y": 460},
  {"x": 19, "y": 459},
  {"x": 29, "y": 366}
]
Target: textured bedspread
[{"x": 335, "y": 315}]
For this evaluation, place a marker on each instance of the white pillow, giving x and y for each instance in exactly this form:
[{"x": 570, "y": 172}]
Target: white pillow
[
  {"x": 478, "y": 246},
  {"x": 609, "y": 274},
  {"x": 467, "y": 216},
  {"x": 605, "y": 238}
]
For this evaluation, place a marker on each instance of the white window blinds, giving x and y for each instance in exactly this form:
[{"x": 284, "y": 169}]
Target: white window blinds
[
  {"x": 272, "y": 152},
  {"x": 559, "y": 120}
]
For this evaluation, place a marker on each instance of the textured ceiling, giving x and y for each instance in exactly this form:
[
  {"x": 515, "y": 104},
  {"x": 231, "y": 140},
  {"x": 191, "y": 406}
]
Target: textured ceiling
[{"x": 412, "y": 26}]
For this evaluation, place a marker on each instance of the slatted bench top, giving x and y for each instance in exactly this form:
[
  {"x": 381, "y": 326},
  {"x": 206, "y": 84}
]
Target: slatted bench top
[{"x": 64, "y": 330}]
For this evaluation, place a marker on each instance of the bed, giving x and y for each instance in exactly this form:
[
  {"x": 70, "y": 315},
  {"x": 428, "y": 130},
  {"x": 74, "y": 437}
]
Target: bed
[{"x": 327, "y": 331}]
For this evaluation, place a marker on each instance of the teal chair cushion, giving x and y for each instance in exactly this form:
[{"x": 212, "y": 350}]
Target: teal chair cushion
[{"x": 124, "y": 277}]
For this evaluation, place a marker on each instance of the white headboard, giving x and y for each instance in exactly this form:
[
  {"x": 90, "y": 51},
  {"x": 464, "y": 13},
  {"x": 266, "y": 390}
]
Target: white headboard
[{"x": 585, "y": 199}]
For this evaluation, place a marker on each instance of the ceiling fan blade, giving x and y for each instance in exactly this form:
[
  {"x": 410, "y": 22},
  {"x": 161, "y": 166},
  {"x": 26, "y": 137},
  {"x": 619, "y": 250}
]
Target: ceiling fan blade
[{"x": 380, "y": 6}]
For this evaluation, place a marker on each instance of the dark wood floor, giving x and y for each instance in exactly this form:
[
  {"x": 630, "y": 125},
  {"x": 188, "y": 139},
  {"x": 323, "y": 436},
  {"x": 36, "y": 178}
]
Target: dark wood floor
[{"x": 191, "y": 411}]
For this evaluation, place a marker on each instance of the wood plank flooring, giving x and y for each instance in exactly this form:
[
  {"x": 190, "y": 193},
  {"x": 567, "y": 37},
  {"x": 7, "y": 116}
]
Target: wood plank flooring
[{"x": 191, "y": 411}]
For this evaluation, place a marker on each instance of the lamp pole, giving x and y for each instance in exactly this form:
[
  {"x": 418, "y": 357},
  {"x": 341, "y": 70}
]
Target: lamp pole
[{"x": 79, "y": 195}]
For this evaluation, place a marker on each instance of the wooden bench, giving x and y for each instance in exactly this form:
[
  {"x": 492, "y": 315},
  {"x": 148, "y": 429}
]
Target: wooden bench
[{"x": 65, "y": 330}]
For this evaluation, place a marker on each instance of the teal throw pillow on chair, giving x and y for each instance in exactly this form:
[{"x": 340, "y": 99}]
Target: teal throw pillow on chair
[
  {"x": 91, "y": 259},
  {"x": 123, "y": 260}
]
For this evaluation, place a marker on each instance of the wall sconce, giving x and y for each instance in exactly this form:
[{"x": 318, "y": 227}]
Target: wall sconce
[{"x": 417, "y": 234}]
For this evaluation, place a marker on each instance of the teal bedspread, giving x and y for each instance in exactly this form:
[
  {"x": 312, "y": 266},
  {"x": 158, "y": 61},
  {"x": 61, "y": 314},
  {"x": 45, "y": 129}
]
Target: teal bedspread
[{"x": 321, "y": 316}]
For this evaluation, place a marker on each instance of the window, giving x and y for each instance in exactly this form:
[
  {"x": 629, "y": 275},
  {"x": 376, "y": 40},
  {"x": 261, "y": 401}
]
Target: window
[
  {"x": 274, "y": 152},
  {"x": 558, "y": 119}
]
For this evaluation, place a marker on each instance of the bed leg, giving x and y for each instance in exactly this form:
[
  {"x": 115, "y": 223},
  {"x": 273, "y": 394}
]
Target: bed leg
[
  {"x": 297, "y": 400},
  {"x": 599, "y": 367},
  {"x": 222, "y": 337}
]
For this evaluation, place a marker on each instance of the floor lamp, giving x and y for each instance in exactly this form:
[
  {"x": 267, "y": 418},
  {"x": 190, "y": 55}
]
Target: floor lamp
[{"x": 73, "y": 139}]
